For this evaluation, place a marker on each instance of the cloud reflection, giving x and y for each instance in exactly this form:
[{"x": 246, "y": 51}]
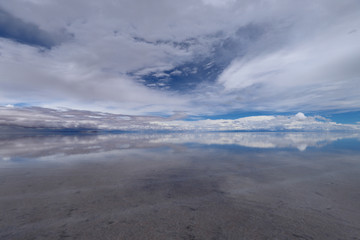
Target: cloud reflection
[{"x": 17, "y": 146}]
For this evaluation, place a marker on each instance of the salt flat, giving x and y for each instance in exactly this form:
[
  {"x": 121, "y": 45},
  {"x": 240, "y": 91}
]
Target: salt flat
[{"x": 180, "y": 186}]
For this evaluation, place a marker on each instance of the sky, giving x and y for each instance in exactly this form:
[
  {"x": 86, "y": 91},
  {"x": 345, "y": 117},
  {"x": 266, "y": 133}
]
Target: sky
[{"x": 217, "y": 59}]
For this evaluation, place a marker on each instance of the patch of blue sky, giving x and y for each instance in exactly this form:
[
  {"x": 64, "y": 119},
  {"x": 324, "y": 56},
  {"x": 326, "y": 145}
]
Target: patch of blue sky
[
  {"x": 22, "y": 104},
  {"x": 185, "y": 77},
  {"x": 19, "y": 104},
  {"x": 207, "y": 67},
  {"x": 352, "y": 117},
  {"x": 238, "y": 114}
]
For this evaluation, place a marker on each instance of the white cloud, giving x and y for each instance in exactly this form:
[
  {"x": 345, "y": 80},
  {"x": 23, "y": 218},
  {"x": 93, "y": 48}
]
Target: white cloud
[
  {"x": 176, "y": 72},
  {"x": 304, "y": 56},
  {"x": 74, "y": 119},
  {"x": 298, "y": 122},
  {"x": 300, "y": 116},
  {"x": 320, "y": 73},
  {"x": 56, "y": 81}
]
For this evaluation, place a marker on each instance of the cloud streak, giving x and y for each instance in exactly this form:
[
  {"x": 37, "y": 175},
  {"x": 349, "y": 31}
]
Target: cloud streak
[{"x": 43, "y": 118}]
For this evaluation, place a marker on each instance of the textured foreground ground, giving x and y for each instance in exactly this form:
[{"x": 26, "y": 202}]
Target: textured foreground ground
[{"x": 179, "y": 192}]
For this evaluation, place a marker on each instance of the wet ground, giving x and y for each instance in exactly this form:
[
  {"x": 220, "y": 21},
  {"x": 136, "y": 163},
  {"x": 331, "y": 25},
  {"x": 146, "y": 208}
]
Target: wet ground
[{"x": 180, "y": 186}]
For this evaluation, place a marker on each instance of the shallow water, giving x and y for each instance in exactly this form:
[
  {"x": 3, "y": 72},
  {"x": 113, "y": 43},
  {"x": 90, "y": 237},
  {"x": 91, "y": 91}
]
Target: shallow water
[{"x": 180, "y": 186}]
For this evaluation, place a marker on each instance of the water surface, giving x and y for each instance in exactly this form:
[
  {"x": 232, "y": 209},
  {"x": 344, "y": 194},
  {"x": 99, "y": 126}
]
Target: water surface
[{"x": 180, "y": 186}]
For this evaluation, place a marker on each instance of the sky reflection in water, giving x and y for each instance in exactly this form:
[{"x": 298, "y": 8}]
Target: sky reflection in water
[
  {"x": 33, "y": 147},
  {"x": 181, "y": 186}
]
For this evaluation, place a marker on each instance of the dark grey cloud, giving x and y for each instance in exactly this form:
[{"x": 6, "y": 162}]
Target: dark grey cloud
[
  {"x": 14, "y": 28},
  {"x": 183, "y": 45}
]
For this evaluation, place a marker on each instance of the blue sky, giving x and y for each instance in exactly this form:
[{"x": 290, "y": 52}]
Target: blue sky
[{"x": 204, "y": 58}]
